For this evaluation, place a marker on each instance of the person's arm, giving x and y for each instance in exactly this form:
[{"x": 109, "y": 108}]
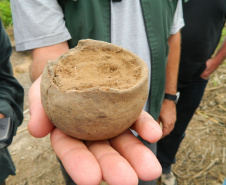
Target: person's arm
[
  {"x": 11, "y": 92},
  {"x": 168, "y": 111},
  {"x": 213, "y": 63},
  {"x": 42, "y": 55}
]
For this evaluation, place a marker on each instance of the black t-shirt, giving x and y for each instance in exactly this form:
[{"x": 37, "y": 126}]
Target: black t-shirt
[{"x": 204, "y": 21}]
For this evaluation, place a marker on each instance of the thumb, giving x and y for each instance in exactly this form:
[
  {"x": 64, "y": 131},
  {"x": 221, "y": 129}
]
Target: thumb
[{"x": 39, "y": 124}]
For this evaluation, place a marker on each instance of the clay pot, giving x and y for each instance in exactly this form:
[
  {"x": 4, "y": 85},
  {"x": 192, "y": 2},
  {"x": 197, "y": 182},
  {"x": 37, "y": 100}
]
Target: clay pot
[{"x": 94, "y": 91}]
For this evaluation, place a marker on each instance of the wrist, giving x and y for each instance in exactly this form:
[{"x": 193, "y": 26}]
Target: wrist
[{"x": 172, "y": 97}]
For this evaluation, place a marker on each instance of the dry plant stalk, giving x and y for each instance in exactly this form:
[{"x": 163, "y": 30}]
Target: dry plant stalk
[
  {"x": 205, "y": 169},
  {"x": 206, "y": 116}
]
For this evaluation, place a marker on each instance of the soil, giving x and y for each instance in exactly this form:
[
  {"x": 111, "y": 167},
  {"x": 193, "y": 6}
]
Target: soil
[
  {"x": 84, "y": 68},
  {"x": 201, "y": 158}
]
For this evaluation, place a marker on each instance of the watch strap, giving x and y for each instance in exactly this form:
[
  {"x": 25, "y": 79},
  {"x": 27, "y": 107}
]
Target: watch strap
[{"x": 172, "y": 97}]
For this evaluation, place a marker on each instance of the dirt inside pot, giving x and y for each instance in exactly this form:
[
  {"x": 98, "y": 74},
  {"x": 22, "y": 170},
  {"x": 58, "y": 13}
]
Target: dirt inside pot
[{"x": 97, "y": 68}]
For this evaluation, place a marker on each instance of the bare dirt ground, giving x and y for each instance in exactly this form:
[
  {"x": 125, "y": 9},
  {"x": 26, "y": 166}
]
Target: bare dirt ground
[{"x": 201, "y": 159}]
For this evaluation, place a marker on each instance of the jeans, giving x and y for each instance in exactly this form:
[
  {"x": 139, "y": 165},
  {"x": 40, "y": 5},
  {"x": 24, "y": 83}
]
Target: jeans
[{"x": 190, "y": 98}]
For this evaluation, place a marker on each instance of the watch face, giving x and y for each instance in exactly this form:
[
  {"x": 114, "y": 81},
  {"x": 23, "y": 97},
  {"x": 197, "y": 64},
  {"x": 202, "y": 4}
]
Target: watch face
[
  {"x": 177, "y": 97},
  {"x": 6, "y": 132}
]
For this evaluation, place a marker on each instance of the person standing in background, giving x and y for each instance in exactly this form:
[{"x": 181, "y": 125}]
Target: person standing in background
[{"x": 204, "y": 22}]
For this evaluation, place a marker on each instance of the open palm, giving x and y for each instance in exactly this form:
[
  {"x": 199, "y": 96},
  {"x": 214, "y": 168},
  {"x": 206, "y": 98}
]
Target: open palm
[{"x": 120, "y": 160}]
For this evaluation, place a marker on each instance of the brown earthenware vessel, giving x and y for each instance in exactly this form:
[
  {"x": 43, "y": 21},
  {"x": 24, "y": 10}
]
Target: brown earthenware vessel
[{"x": 94, "y": 91}]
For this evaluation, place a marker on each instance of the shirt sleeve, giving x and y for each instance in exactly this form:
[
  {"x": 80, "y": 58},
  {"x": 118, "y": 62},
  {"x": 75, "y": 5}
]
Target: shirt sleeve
[
  {"x": 11, "y": 92},
  {"x": 38, "y": 23},
  {"x": 178, "y": 21}
]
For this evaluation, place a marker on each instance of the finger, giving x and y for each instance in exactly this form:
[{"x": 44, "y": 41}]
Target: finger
[
  {"x": 147, "y": 128},
  {"x": 167, "y": 128},
  {"x": 205, "y": 77},
  {"x": 39, "y": 124},
  {"x": 158, "y": 121},
  {"x": 2, "y": 116},
  {"x": 115, "y": 169},
  {"x": 78, "y": 161},
  {"x": 139, "y": 156},
  {"x": 165, "y": 132}
]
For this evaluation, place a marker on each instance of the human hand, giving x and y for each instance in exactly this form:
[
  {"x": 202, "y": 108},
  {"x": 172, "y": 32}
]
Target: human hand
[
  {"x": 211, "y": 66},
  {"x": 120, "y": 160},
  {"x": 2, "y": 116},
  {"x": 167, "y": 117}
]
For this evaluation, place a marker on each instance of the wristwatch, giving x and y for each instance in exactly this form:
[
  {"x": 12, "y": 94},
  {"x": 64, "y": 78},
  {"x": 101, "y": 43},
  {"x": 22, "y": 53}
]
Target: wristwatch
[
  {"x": 172, "y": 97},
  {"x": 6, "y": 132}
]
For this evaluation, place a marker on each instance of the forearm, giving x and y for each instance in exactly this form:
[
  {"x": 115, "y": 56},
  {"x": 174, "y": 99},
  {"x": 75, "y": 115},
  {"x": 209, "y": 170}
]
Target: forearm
[
  {"x": 42, "y": 55},
  {"x": 173, "y": 63},
  {"x": 213, "y": 63},
  {"x": 168, "y": 111},
  {"x": 221, "y": 54}
]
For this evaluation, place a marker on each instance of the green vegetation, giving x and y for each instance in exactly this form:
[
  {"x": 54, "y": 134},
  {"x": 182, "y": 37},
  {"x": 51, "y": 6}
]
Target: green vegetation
[
  {"x": 223, "y": 36},
  {"x": 5, "y": 13}
]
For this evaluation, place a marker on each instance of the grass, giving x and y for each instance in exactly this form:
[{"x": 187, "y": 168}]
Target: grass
[
  {"x": 5, "y": 13},
  {"x": 223, "y": 35}
]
